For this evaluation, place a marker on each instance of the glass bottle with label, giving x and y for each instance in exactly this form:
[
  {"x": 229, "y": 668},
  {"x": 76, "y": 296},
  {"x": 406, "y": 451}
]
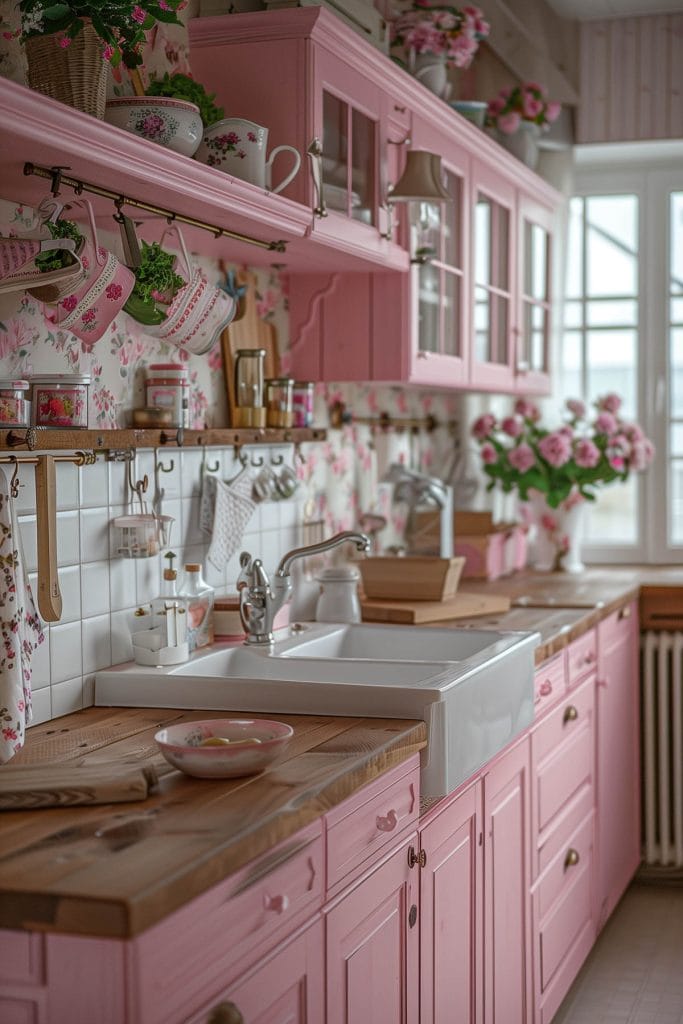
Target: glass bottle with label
[{"x": 199, "y": 598}]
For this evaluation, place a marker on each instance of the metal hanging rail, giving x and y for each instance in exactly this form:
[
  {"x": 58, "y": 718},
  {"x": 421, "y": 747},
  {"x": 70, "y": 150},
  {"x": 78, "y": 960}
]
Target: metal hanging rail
[
  {"x": 341, "y": 416},
  {"x": 57, "y": 178}
]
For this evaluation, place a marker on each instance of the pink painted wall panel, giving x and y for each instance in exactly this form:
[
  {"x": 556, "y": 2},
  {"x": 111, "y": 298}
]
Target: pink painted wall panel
[{"x": 631, "y": 79}]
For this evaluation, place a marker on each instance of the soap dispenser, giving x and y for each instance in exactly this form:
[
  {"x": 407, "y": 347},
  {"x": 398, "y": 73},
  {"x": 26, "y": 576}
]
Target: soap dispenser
[{"x": 199, "y": 600}]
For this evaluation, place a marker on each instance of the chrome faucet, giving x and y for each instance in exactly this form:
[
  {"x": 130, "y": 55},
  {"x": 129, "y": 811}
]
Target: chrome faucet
[{"x": 261, "y": 599}]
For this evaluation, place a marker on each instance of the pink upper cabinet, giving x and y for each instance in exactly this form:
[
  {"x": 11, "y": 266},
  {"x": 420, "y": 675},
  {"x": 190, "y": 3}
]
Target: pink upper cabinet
[{"x": 307, "y": 78}]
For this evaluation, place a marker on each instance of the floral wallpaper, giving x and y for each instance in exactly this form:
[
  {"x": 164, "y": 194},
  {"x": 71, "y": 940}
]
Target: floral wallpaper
[{"x": 342, "y": 474}]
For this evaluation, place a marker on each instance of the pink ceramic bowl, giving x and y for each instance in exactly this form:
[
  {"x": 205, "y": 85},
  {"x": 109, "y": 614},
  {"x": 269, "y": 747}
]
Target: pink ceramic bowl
[{"x": 184, "y": 747}]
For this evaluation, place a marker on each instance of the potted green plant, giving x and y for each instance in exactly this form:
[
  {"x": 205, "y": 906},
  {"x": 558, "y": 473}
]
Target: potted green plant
[
  {"x": 156, "y": 282},
  {"x": 182, "y": 87},
  {"x": 57, "y": 259},
  {"x": 70, "y": 45}
]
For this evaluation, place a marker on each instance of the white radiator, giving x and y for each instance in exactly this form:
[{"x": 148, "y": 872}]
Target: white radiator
[{"x": 662, "y": 718}]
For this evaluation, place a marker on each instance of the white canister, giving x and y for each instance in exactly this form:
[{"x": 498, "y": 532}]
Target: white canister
[{"x": 338, "y": 601}]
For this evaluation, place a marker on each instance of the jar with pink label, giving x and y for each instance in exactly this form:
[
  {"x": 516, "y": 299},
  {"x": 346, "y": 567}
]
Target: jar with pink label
[
  {"x": 167, "y": 387},
  {"x": 15, "y": 409},
  {"x": 303, "y": 403},
  {"x": 60, "y": 401}
]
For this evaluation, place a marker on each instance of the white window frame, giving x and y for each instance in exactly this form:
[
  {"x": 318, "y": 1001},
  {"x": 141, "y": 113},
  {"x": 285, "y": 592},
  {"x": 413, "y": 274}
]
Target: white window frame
[{"x": 649, "y": 171}]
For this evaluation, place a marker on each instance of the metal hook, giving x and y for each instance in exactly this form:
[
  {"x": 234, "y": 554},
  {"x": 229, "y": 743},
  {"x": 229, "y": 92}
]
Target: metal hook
[
  {"x": 139, "y": 487},
  {"x": 256, "y": 461},
  {"x": 277, "y": 460},
  {"x": 205, "y": 467},
  {"x": 14, "y": 482},
  {"x": 298, "y": 454}
]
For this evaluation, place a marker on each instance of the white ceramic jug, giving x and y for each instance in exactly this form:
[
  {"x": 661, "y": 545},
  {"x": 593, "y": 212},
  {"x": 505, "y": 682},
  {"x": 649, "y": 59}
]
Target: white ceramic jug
[{"x": 239, "y": 147}]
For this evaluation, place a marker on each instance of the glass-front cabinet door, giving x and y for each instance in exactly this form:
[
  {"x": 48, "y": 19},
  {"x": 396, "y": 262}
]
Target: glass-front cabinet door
[
  {"x": 533, "y": 330},
  {"x": 493, "y": 211},
  {"x": 349, "y": 160}
]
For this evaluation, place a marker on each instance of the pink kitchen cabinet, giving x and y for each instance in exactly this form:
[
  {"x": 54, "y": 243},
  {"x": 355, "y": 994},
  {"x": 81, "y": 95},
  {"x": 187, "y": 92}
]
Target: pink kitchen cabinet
[
  {"x": 372, "y": 934},
  {"x": 507, "y": 945},
  {"x": 618, "y": 758},
  {"x": 322, "y": 95},
  {"x": 451, "y": 927},
  {"x": 285, "y": 988}
]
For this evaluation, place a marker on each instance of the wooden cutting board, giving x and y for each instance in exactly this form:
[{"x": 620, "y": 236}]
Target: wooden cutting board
[
  {"x": 250, "y": 331},
  {"x": 31, "y": 787},
  {"x": 462, "y": 606}
]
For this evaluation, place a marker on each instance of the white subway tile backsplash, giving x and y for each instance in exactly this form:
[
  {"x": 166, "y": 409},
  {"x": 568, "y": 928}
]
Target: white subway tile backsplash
[
  {"x": 25, "y": 501},
  {"x": 94, "y": 534},
  {"x": 29, "y": 541},
  {"x": 66, "y": 659},
  {"x": 94, "y": 484},
  {"x": 67, "y": 696},
  {"x": 66, "y": 474},
  {"x": 96, "y": 643},
  {"x": 100, "y": 589},
  {"x": 68, "y": 538},
  {"x": 70, "y": 587},
  {"x": 42, "y": 706},
  {"x": 121, "y": 645},
  {"x": 95, "y": 598}
]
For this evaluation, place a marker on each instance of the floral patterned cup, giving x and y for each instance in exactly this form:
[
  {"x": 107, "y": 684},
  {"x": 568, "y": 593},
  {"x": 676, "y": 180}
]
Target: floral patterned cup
[
  {"x": 88, "y": 311},
  {"x": 169, "y": 122},
  {"x": 238, "y": 147}
]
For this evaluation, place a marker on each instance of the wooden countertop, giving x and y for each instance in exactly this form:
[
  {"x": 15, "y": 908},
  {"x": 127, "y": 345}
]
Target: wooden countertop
[{"x": 114, "y": 870}]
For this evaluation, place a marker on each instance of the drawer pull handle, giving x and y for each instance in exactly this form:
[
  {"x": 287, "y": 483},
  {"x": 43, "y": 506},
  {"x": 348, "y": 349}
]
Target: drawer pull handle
[
  {"x": 546, "y": 688},
  {"x": 387, "y": 824},
  {"x": 225, "y": 1013},
  {"x": 276, "y": 903},
  {"x": 589, "y": 658},
  {"x": 570, "y": 714},
  {"x": 572, "y": 859},
  {"x": 624, "y": 613}
]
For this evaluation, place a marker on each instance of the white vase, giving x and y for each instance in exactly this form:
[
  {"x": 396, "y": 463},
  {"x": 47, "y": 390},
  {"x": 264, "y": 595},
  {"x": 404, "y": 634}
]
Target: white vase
[
  {"x": 523, "y": 143},
  {"x": 431, "y": 70},
  {"x": 558, "y": 534}
]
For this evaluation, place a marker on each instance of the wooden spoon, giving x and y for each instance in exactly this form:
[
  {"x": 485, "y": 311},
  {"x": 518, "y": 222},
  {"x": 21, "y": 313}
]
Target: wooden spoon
[{"x": 49, "y": 596}]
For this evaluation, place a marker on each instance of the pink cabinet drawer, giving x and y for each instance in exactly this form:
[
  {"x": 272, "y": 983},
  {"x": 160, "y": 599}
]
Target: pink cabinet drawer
[
  {"x": 549, "y": 682},
  {"x": 197, "y": 950},
  {"x": 568, "y": 921},
  {"x": 562, "y": 754},
  {"x": 582, "y": 657},
  {"x": 367, "y": 822},
  {"x": 576, "y": 850}
]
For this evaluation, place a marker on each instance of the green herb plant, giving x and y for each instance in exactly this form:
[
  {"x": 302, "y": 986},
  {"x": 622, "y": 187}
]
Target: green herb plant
[
  {"x": 55, "y": 259},
  {"x": 155, "y": 282},
  {"x": 182, "y": 87}
]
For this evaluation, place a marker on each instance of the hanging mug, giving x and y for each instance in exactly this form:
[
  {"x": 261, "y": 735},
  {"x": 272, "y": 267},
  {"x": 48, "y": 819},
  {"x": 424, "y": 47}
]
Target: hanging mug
[{"x": 238, "y": 147}]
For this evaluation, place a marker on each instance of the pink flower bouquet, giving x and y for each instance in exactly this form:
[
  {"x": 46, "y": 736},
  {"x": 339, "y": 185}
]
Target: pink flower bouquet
[
  {"x": 442, "y": 30},
  {"x": 526, "y": 102},
  {"x": 573, "y": 459}
]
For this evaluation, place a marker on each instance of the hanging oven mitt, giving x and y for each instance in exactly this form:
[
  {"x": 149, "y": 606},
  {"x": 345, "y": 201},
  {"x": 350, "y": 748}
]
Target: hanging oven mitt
[
  {"x": 232, "y": 511},
  {"x": 20, "y": 632}
]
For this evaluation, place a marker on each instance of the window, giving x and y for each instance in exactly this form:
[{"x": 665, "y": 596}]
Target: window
[{"x": 623, "y": 332}]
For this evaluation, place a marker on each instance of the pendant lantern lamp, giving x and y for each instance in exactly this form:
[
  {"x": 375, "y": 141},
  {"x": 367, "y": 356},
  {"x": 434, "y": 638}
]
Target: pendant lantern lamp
[{"x": 421, "y": 180}]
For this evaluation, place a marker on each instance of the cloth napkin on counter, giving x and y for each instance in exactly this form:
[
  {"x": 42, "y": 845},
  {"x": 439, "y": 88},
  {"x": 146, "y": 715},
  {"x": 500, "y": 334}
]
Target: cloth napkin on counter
[
  {"x": 20, "y": 632},
  {"x": 232, "y": 510}
]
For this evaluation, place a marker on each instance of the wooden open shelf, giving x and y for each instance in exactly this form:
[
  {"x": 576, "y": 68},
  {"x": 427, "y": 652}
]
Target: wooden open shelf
[{"x": 104, "y": 440}]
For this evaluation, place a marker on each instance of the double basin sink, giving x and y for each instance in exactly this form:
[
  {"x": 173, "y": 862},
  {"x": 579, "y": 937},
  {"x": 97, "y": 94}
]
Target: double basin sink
[{"x": 473, "y": 688}]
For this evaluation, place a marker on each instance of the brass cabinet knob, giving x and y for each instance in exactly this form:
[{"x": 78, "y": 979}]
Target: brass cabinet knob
[
  {"x": 570, "y": 714},
  {"x": 416, "y": 858},
  {"x": 624, "y": 613},
  {"x": 225, "y": 1013},
  {"x": 572, "y": 858}
]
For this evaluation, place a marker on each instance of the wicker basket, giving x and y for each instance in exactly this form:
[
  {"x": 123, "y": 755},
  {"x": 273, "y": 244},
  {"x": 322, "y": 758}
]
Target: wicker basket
[{"x": 76, "y": 75}]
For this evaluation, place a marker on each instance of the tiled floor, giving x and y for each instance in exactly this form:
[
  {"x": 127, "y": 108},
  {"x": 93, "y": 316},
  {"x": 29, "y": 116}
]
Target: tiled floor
[{"x": 634, "y": 975}]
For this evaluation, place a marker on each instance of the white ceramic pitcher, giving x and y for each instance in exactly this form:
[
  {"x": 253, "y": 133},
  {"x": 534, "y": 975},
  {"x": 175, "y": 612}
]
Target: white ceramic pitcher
[{"x": 239, "y": 147}]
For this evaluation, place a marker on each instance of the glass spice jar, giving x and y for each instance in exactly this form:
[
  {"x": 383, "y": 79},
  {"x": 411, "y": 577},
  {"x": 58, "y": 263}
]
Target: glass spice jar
[
  {"x": 15, "y": 409},
  {"x": 167, "y": 387},
  {"x": 302, "y": 403},
  {"x": 60, "y": 401},
  {"x": 279, "y": 408}
]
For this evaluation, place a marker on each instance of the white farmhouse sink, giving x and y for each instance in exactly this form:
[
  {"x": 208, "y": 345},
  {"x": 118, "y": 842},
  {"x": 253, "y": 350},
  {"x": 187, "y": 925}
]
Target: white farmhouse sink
[{"x": 474, "y": 688}]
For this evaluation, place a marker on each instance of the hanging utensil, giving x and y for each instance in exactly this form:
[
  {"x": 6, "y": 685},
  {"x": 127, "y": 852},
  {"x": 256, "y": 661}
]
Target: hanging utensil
[{"x": 49, "y": 595}]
